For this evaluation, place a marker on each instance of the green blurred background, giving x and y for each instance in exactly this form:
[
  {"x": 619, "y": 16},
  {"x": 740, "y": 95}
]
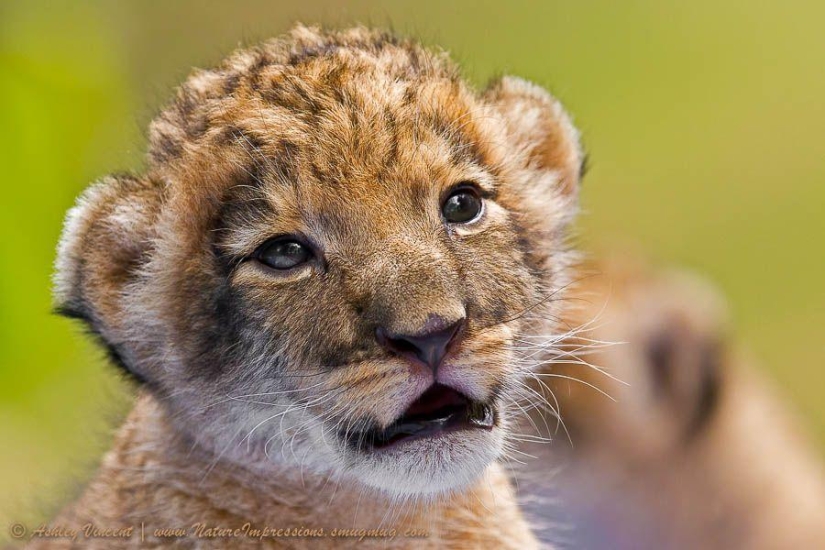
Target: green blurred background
[{"x": 704, "y": 121}]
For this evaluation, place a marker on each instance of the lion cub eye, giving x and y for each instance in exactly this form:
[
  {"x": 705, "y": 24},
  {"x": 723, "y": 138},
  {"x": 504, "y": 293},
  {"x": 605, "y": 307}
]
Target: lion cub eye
[
  {"x": 283, "y": 253},
  {"x": 463, "y": 205}
]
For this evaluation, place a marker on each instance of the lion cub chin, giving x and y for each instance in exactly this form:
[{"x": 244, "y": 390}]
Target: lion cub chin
[
  {"x": 170, "y": 493},
  {"x": 319, "y": 282}
]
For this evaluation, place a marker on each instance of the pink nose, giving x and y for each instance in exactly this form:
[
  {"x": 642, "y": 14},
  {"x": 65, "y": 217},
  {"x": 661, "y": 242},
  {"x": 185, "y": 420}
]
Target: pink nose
[{"x": 428, "y": 347}]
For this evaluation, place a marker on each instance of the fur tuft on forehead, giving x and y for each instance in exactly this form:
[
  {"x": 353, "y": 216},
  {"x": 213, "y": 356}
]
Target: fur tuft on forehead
[{"x": 299, "y": 75}]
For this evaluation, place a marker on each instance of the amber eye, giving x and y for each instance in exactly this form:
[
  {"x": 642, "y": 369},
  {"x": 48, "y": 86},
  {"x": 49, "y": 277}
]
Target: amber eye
[
  {"x": 283, "y": 253},
  {"x": 462, "y": 206}
]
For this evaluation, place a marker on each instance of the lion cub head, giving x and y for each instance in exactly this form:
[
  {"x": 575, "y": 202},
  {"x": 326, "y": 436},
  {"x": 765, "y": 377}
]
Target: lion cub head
[{"x": 331, "y": 256}]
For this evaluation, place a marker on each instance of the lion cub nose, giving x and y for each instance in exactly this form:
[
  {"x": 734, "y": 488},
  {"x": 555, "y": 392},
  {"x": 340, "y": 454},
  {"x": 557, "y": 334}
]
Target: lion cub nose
[{"x": 429, "y": 346}]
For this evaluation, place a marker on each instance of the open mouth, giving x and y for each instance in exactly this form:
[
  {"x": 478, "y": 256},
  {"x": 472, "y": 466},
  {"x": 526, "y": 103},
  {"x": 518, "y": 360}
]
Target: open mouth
[{"x": 440, "y": 409}]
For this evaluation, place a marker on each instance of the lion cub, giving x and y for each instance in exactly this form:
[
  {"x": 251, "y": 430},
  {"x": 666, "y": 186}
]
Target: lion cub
[
  {"x": 691, "y": 449},
  {"x": 318, "y": 281}
]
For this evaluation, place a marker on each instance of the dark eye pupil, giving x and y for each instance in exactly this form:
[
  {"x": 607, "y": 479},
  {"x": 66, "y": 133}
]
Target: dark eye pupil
[
  {"x": 461, "y": 207},
  {"x": 284, "y": 254}
]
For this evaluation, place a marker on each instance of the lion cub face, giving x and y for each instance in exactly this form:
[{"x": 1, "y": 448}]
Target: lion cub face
[{"x": 332, "y": 254}]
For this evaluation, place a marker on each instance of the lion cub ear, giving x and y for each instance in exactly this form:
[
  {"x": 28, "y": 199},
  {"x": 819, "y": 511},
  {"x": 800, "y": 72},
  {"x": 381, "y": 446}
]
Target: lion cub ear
[
  {"x": 538, "y": 126},
  {"x": 106, "y": 241}
]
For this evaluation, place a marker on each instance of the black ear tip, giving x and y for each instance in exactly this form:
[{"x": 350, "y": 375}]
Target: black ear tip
[
  {"x": 71, "y": 311},
  {"x": 585, "y": 165}
]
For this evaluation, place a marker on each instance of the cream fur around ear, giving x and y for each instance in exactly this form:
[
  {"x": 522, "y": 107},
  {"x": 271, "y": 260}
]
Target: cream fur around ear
[
  {"x": 540, "y": 127},
  {"x": 106, "y": 240}
]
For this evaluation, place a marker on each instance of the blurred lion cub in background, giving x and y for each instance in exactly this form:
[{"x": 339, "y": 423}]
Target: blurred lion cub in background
[{"x": 694, "y": 450}]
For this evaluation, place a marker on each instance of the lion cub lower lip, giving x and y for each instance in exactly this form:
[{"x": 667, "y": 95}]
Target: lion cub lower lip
[{"x": 439, "y": 410}]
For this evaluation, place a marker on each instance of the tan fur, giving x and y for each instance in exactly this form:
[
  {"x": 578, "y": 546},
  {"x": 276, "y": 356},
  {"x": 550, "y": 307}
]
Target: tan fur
[
  {"x": 350, "y": 140},
  {"x": 696, "y": 451}
]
